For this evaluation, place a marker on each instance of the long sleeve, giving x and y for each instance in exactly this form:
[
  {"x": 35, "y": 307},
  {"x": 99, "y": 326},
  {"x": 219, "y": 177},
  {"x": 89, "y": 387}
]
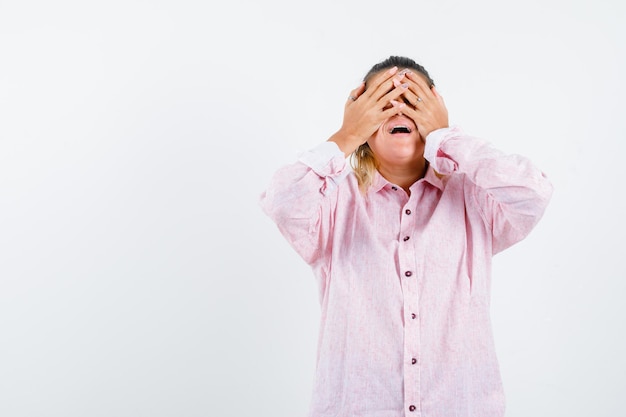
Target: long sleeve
[
  {"x": 510, "y": 192},
  {"x": 300, "y": 199}
]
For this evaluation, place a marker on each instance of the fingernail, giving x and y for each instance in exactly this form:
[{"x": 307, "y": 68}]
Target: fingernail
[
  {"x": 393, "y": 70},
  {"x": 396, "y": 82}
]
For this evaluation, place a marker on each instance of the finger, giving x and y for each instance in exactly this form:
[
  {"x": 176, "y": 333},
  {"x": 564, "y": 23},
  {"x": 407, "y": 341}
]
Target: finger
[
  {"x": 416, "y": 95},
  {"x": 419, "y": 88},
  {"x": 396, "y": 93},
  {"x": 417, "y": 116},
  {"x": 397, "y": 107},
  {"x": 413, "y": 113},
  {"x": 420, "y": 80},
  {"x": 416, "y": 100},
  {"x": 356, "y": 93},
  {"x": 436, "y": 93},
  {"x": 412, "y": 96},
  {"x": 381, "y": 77},
  {"x": 381, "y": 83}
]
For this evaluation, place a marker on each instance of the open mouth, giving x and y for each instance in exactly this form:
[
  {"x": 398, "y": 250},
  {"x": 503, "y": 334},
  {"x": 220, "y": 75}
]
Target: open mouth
[{"x": 399, "y": 129}]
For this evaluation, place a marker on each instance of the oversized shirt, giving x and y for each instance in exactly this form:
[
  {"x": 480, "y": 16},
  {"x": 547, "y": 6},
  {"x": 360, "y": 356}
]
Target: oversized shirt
[{"x": 404, "y": 280}]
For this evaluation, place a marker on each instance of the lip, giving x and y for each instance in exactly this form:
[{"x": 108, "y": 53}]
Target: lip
[{"x": 400, "y": 121}]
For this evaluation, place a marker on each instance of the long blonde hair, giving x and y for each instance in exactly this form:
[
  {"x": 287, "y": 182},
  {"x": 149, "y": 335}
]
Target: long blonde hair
[{"x": 364, "y": 164}]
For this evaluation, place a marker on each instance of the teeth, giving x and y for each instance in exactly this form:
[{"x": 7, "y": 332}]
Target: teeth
[{"x": 399, "y": 127}]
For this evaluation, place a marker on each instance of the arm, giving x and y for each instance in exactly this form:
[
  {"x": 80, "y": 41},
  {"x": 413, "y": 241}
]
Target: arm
[
  {"x": 510, "y": 192},
  {"x": 301, "y": 196}
]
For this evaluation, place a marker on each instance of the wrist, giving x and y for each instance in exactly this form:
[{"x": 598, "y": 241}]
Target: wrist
[{"x": 347, "y": 142}]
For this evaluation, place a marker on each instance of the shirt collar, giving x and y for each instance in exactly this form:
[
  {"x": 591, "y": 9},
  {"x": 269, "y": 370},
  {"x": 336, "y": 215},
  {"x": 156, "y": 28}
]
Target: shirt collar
[
  {"x": 431, "y": 177},
  {"x": 434, "y": 178}
]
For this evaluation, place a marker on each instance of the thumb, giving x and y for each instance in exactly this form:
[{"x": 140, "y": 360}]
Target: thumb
[{"x": 436, "y": 93}]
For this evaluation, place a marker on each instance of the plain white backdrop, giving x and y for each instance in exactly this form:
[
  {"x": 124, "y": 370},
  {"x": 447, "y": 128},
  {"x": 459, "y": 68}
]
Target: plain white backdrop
[{"x": 138, "y": 276}]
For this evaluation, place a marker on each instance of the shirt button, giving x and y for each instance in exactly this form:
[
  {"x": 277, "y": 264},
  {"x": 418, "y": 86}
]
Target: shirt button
[
  {"x": 407, "y": 211},
  {"x": 411, "y": 408},
  {"x": 406, "y": 238},
  {"x": 413, "y": 361},
  {"x": 408, "y": 273},
  {"x": 394, "y": 188},
  {"x": 413, "y": 315}
]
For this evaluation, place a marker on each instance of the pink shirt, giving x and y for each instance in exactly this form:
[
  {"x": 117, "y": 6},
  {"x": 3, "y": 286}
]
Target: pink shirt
[{"x": 404, "y": 282}]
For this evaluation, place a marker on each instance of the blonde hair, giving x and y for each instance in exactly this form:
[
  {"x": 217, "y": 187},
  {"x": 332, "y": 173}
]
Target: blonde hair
[{"x": 364, "y": 165}]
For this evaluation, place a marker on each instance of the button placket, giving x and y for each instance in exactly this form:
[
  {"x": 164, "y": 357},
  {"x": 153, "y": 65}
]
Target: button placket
[{"x": 407, "y": 265}]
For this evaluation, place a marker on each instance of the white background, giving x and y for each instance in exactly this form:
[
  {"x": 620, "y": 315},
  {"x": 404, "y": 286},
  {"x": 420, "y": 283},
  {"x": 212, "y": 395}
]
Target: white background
[{"x": 138, "y": 276}]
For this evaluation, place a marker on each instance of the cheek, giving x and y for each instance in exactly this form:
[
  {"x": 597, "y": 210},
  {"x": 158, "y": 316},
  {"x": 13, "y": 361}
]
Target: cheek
[
  {"x": 375, "y": 140},
  {"x": 377, "y": 136}
]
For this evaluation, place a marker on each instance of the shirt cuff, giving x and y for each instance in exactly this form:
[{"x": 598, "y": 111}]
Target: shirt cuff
[
  {"x": 325, "y": 159},
  {"x": 433, "y": 142}
]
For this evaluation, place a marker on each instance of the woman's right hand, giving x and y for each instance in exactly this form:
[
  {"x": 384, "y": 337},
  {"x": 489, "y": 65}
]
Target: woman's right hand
[{"x": 367, "y": 109}]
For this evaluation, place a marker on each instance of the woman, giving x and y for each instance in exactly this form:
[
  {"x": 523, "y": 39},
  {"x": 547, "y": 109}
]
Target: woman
[{"x": 401, "y": 246}]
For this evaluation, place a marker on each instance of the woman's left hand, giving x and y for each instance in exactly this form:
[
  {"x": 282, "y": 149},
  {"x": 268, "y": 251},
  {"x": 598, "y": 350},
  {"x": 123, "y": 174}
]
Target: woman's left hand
[{"x": 426, "y": 106}]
